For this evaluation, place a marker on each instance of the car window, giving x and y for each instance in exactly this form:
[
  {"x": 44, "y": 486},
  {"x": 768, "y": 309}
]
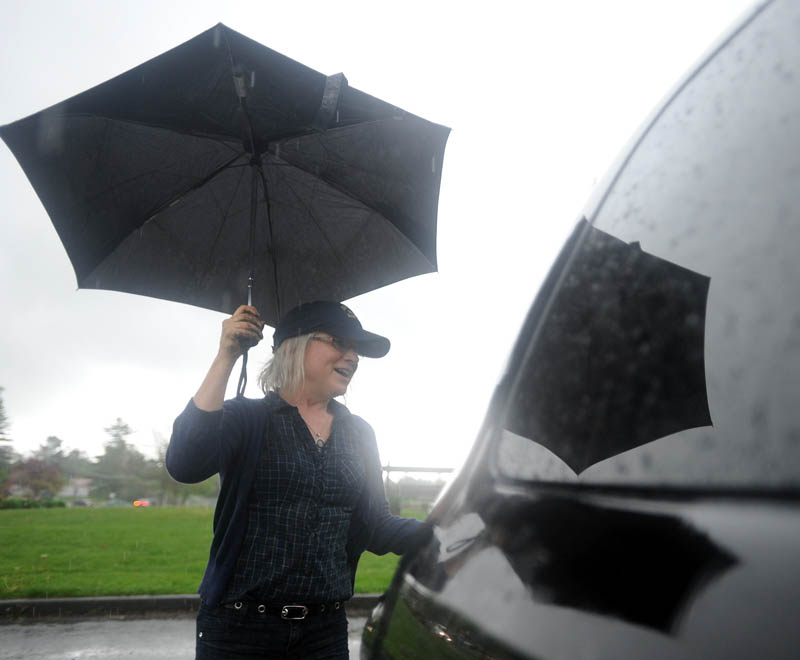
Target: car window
[{"x": 668, "y": 351}]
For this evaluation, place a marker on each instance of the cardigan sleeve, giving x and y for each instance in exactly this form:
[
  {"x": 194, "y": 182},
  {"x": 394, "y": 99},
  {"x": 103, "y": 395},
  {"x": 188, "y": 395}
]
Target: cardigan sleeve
[
  {"x": 203, "y": 442},
  {"x": 387, "y": 533},
  {"x": 396, "y": 534}
]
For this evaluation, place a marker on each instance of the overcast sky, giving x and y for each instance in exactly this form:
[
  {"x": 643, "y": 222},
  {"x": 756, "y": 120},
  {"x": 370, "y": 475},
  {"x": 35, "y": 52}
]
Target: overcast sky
[{"x": 541, "y": 96}]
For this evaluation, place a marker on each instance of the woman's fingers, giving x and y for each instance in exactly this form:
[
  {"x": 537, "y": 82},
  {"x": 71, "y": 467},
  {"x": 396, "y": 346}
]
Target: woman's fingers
[
  {"x": 242, "y": 330},
  {"x": 248, "y": 332},
  {"x": 248, "y": 313},
  {"x": 248, "y": 316}
]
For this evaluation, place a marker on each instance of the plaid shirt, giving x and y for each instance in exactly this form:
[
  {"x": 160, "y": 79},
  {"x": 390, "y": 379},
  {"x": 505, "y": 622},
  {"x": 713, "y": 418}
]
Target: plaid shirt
[
  {"x": 229, "y": 441},
  {"x": 299, "y": 511}
]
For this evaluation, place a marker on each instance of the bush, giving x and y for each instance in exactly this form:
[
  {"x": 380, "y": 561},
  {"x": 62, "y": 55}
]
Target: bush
[{"x": 24, "y": 503}]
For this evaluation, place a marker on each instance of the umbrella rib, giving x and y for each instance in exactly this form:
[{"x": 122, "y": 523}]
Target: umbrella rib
[
  {"x": 164, "y": 205},
  {"x": 225, "y": 218},
  {"x": 302, "y": 202},
  {"x": 275, "y": 166},
  {"x": 242, "y": 95},
  {"x": 151, "y": 216},
  {"x": 327, "y": 150},
  {"x": 350, "y": 167},
  {"x": 112, "y": 189},
  {"x": 176, "y": 243},
  {"x": 221, "y": 138}
]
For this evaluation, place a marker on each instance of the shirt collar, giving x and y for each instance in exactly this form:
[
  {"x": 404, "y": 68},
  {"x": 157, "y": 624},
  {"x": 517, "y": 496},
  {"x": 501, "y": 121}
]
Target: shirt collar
[{"x": 275, "y": 403}]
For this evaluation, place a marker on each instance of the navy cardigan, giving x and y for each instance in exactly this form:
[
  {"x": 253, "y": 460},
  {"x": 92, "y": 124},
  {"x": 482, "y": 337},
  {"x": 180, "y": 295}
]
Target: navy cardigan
[{"x": 228, "y": 441}]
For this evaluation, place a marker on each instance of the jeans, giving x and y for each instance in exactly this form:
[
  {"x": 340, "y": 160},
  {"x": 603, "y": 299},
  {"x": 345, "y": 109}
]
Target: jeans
[{"x": 223, "y": 633}]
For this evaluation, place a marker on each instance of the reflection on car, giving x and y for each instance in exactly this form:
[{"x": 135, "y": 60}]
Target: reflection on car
[{"x": 634, "y": 491}]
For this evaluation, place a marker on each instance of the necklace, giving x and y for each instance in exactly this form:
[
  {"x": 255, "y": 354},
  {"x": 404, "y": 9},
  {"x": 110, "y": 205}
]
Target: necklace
[{"x": 318, "y": 439}]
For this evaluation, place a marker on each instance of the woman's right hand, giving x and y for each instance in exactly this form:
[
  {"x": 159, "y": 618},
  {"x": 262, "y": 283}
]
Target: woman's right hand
[{"x": 241, "y": 331}]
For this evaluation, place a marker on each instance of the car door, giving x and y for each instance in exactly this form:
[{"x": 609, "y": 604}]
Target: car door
[{"x": 635, "y": 489}]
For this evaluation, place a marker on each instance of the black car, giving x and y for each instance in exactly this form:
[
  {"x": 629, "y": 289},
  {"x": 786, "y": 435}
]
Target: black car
[{"x": 634, "y": 491}]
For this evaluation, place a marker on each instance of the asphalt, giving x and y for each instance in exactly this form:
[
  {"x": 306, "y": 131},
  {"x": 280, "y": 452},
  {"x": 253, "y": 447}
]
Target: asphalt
[
  {"x": 135, "y": 628},
  {"x": 161, "y": 638}
]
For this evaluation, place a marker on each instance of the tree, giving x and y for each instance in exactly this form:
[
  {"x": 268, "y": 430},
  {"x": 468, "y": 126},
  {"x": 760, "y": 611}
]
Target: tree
[
  {"x": 77, "y": 464},
  {"x": 168, "y": 488},
  {"x": 171, "y": 492},
  {"x": 4, "y": 421},
  {"x": 7, "y": 455},
  {"x": 50, "y": 452},
  {"x": 118, "y": 431},
  {"x": 42, "y": 479},
  {"x": 121, "y": 471},
  {"x": 74, "y": 464}
]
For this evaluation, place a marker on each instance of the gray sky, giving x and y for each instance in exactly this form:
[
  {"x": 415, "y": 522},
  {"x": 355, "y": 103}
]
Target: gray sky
[{"x": 541, "y": 97}]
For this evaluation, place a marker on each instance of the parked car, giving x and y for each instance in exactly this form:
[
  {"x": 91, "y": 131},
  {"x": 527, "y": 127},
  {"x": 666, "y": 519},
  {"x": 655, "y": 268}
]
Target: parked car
[{"x": 634, "y": 491}]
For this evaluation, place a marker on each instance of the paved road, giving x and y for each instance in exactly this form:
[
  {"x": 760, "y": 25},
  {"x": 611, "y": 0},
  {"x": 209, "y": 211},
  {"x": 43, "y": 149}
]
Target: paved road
[{"x": 134, "y": 639}]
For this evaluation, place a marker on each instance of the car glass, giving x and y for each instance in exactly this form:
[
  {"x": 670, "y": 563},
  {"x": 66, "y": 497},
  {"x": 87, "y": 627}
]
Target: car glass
[{"x": 670, "y": 351}]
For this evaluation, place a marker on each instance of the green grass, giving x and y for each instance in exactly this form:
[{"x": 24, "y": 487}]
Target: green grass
[
  {"x": 94, "y": 552},
  {"x": 374, "y": 572},
  {"x": 115, "y": 552}
]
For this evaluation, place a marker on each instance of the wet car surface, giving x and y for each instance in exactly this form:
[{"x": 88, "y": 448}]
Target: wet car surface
[{"x": 634, "y": 491}]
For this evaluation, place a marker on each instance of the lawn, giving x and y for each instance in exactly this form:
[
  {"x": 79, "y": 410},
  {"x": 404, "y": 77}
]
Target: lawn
[{"x": 120, "y": 551}]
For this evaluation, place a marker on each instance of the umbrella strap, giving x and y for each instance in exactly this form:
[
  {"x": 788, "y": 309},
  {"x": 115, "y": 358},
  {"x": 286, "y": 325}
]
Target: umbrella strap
[{"x": 242, "y": 378}]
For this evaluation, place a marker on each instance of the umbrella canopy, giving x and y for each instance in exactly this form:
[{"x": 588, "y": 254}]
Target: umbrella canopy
[{"x": 222, "y": 160}]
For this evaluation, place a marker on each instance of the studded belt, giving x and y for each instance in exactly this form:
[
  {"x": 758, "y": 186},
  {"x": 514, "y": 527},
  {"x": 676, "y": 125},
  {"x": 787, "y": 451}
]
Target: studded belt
[{"x": 293, "y": 612}]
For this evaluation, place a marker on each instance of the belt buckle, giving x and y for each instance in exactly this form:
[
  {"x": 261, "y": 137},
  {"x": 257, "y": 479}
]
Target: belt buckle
[{"x": 294, "y": 612}]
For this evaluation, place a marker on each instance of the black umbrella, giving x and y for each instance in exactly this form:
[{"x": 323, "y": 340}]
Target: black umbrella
[
  {"x": 619, "y": 359},
  {"x": 222, "y": 162}
]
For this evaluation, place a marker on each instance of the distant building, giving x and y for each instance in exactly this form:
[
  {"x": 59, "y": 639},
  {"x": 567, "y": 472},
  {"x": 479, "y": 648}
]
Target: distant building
[
  {"x": 76, "y": 487},
  {"x": 15, "y": 490}
]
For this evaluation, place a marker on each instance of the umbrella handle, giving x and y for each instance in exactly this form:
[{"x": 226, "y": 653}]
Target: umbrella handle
[
  {"x": 242, "y": 378},
  {"x": 243, "y": 375}
]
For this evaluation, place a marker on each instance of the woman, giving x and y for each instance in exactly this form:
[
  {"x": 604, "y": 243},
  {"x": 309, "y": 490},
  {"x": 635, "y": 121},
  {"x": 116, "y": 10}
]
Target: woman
[{"x": 301, "y": 494}]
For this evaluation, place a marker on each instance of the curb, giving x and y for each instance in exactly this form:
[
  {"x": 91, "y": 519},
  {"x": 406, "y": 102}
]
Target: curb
[{"x": 124, "y": 606}]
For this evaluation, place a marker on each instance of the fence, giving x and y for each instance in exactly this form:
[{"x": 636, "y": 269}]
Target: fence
[{"x": 415, "y": 493}]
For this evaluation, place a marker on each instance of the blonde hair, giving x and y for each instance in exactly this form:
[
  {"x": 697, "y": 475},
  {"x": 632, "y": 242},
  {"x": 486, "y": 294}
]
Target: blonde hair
[{"x": 285, "y": 370}]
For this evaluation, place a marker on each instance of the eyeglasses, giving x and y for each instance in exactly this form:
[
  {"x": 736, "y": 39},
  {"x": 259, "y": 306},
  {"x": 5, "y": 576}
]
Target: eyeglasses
[{"x": 341, "y": 345}]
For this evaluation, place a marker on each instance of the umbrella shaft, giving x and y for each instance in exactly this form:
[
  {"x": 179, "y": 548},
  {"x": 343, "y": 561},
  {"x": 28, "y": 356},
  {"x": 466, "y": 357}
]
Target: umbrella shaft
[{"x": 253, "y": 205}]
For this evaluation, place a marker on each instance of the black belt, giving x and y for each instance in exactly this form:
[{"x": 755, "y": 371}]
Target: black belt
[{"x": 292, "y": 612}]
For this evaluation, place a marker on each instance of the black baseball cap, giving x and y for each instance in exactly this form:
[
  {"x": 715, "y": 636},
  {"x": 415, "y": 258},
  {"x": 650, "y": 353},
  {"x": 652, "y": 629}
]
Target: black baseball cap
[{"x": 335, "y": 319}]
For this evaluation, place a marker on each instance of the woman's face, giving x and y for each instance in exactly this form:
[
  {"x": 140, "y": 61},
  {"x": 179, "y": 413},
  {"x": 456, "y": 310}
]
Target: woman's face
[{"x": 329, "y": 366}]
